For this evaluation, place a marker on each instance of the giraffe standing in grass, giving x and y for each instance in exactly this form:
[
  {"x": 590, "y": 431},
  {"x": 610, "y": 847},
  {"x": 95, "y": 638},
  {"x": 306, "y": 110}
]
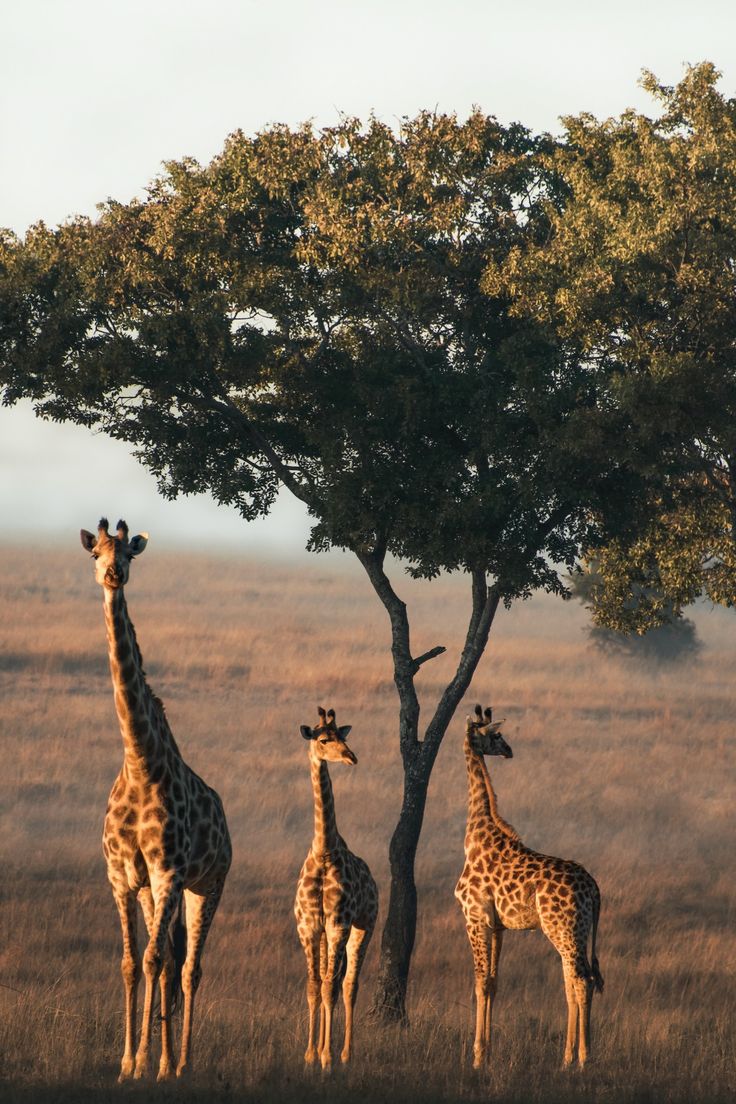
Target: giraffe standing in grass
[
  {"x": 165, "y": 837},
  {"x": 336, "y": 900},
  {"x": 505, "y": 885}
]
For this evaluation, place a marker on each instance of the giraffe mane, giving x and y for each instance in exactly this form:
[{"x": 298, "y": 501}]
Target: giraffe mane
[
  {"x": 158, "y": 705},
  {"x": 503, "y": 825}
]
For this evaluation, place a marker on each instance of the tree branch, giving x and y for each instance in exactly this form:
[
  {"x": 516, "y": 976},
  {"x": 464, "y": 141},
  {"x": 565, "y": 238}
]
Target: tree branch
[
  {"x": 223, "y": 404},
  {"x": 485, "y": 603},
  {"x": 431, "y": 654},
  {"x": 405, "y": 667}
]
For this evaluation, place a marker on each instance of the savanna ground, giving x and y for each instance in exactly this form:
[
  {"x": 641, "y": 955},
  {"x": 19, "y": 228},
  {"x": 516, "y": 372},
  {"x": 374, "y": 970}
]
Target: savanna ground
[{"x": 628, "y": 769}]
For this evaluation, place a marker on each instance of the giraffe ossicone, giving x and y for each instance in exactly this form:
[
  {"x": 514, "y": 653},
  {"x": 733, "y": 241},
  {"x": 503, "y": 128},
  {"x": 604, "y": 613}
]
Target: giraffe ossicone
[
  {"x": 165, "y": 838},
  {"x": 505, "y": 885},
  {"x": 336, "y": 900}
]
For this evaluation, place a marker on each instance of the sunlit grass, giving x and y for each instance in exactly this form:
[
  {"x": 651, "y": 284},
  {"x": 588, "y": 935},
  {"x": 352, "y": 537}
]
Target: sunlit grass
[{"x": 628, "y": 770}]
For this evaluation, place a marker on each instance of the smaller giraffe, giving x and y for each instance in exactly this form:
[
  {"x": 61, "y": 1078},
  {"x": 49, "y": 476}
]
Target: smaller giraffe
[
  {"x": 336, "y": 900},
  {"x": 506, "y": 885}
]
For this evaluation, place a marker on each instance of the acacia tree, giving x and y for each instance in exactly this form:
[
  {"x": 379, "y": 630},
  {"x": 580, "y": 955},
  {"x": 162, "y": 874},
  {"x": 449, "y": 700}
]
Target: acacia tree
[
  {"x": 640, "y": 273},
  {"x": 306, "y": 312}
]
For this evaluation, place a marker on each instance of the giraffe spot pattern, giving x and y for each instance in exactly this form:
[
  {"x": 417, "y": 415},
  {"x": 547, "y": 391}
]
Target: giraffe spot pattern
[{"x": 504, "y": 885}]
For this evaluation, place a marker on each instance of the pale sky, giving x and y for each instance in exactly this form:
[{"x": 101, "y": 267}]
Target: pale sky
[{"x": 95, "y": 95}]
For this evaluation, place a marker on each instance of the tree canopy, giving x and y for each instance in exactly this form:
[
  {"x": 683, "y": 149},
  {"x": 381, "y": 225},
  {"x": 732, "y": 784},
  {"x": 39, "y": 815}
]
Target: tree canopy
[
  {"x": 306, "y": 311},
  {"x": 639, "y": 271}
]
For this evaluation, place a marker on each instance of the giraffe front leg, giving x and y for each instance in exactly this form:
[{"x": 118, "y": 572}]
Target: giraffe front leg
[
  {"x": 166, "y": 1064},
  {"x": 322, "y": 972},
  {"x": 166, "y": 899},
  {"x": 496, "y": 944},
  {"x": 131, "y": 970},
  {"x": 337, "y": 938},
  {"x": 478, "y": 936},
  {"x": 200, "y": 913},
  {"x": 355, "y": 951},
  {"x": 311, "y": 943}
]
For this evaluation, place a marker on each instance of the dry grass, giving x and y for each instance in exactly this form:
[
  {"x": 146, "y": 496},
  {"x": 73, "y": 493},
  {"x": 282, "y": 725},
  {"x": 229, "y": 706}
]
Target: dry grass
[{"x": 629, "y": 771}]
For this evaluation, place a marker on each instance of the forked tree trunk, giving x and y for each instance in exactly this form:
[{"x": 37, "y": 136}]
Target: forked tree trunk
[
  {"x": 399, "y": 930},
  {"x": 418, "y": 757}
]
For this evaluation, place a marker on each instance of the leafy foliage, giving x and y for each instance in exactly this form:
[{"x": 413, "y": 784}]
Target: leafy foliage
[
  {"x": 648, "y": 626},
  {"x": 640, "y": 273},
  {"x": 306, "y": 310}
]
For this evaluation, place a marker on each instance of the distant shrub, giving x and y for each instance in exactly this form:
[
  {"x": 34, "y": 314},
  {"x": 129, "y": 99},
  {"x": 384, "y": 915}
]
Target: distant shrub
[
  {"x": 674, "y": 641},
  {"x": 671, "y": 643}
]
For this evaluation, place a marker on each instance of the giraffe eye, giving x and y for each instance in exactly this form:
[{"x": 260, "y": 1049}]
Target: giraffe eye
[{"x": 324, "y": 740}]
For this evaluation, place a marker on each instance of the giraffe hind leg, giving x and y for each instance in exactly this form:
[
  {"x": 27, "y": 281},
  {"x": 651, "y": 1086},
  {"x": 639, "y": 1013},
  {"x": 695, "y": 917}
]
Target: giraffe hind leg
[
  {"x": 579, "y": 993},
  {"x": 572, "y": 1014},
  {"x": 584, "y": 997}
]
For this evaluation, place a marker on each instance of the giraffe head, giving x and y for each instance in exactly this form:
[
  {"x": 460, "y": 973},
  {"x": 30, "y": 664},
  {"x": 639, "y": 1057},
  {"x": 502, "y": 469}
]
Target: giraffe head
[
  {"x": 112, "y": 554},
  {"x": 328, "y": 741},
  {"x": 484, "y": 736}
]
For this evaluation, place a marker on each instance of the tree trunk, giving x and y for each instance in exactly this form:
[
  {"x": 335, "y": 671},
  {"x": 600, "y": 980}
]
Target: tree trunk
[{"x": 399, "y": 931}]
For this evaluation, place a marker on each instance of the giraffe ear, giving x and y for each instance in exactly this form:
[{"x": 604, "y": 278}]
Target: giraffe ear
[
  {"x": 88, "y": 541},
  {"x": 343, "y": 732},
  {"x": 137, "y": 544},
  {"x": 306, "y": 732}
]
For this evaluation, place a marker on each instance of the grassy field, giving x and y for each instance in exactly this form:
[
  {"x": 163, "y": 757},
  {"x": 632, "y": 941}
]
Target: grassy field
[{"x": 628, "y": 769}]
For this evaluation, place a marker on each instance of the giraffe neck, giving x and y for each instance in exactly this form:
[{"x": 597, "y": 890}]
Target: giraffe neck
[
  {"x": 482, "y": 803},
  {"x": 326, "y": 836},
  {"x": 143, "y": 726}
]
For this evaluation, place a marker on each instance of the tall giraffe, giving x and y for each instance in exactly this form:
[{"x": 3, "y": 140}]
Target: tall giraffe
[
  {"x": 336, "y": 899},
  {"x": 506, "y": 885},
  {"x": 165, "y": 837}
]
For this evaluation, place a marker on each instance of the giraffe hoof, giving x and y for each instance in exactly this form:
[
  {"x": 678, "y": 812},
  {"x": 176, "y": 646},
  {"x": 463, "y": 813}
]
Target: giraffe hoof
[
  {"x": 141, "y": 1068},
  {"x": 310, "y": 1057},
  {"x": 183, "y": 1072},
  {"x": 166, "y": 1073}
]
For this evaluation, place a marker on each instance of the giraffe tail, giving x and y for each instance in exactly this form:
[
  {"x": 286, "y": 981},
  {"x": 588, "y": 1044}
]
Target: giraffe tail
[
  {"x": 595, "y": 973},
  {"x": 178, "y": 939}
]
